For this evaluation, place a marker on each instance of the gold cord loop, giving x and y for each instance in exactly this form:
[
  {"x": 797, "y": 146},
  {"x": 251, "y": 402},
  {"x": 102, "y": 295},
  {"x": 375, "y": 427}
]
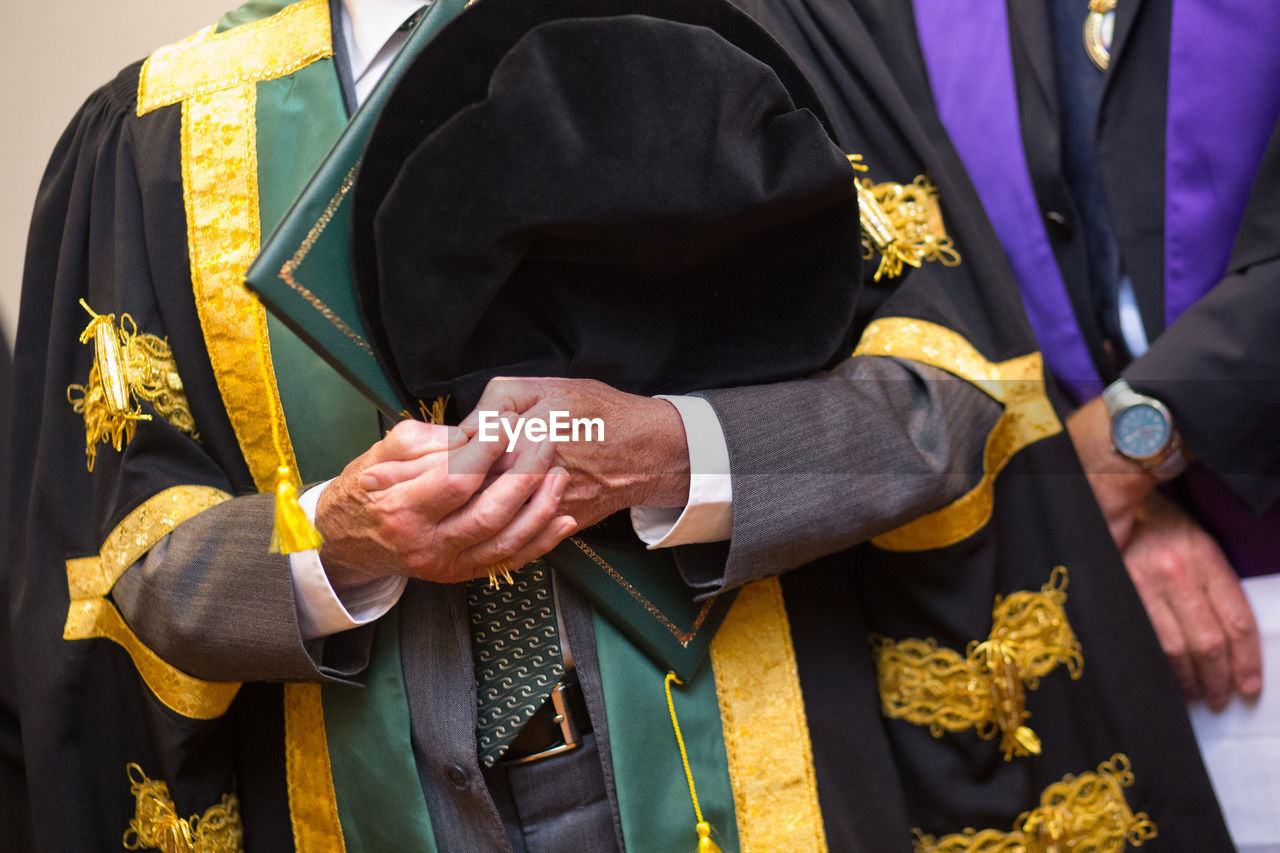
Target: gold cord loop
[
  {"x": 128, "y": 366},
  {"x": 1085, "y": 812},
  {"x": 986, "y": 688},
  {"x": 156, "y": 825},
  {"x": 903, "y": 222}
]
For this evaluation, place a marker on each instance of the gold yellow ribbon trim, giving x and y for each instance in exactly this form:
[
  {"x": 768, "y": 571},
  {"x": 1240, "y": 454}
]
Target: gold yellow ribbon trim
[
  {"x": 156, "y": 825},
  {"x": 985, "y": 688},
  {"x": 209, "y": 62},
  {"x": 215, "y": 78},
  {"x": 766, "y": 732},
  {"x": 202, "y": 700},
  {"x": 1085, "y": 812},
  {"x": 91, "y": 614},
  {"x": 220, "y": 188},
  {"x": 135, "y": 534},
  {"x": 1028, "y": 417},
  {"x": 313, "y": 805}
]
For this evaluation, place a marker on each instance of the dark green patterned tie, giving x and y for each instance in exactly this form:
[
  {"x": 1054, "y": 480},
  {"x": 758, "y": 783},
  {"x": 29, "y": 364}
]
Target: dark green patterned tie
[{"x": 516, "y": 649}]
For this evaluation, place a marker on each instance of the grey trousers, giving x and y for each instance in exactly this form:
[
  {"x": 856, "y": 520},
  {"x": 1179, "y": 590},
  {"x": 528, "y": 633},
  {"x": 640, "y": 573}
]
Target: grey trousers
[{"x": 555, "y": 805}]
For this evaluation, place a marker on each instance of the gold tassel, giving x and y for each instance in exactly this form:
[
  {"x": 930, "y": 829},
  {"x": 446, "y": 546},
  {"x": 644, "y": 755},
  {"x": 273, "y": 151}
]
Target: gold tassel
[
  {"x": 107, "y": 401},
  {"x": 500, "y": 570},
  {"x": 434, "y": 414},
  {"x": 293, "y": 531},
  {"x": 705, "y": 844}
]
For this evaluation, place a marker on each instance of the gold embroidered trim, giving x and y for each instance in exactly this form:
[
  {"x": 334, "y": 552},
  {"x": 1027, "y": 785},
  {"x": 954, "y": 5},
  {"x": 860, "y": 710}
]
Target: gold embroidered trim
[
  {"x": 903, "y": 222},
  {"x": 89, "y": 618},
  {"x": 220, "y": 188},
  {"x": 127, "y": 366},
  {"x": 766, "y": 731},
  {"x": 1084, "y": 813},
  {"x": 209, "y": 62},
  {"x": 308, "y": 242},
  {"x": 135, "y": 534},
  {"x": 985, "y": 689},
  {"x": 313, "y": 805},
  {"x": 156, "y": 825},
  {"x": 215, "y": 76},
  {"x": 1028, "y": 417},
  {"x": 682, "y": 637},
  {"x": 91, "y": 615}
]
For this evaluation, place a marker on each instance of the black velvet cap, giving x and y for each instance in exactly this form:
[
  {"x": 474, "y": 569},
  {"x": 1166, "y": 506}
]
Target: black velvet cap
[{"x": 643, "y": 192}]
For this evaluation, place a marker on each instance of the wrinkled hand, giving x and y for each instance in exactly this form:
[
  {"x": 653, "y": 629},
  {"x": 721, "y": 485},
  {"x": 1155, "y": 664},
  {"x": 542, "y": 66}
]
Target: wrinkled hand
[
  {"x": 423, "y": 502},
  {"x": 1120, "y": 485},
  {"x": 1195, "y": 603},
  {"x": 643, "y": 459}
]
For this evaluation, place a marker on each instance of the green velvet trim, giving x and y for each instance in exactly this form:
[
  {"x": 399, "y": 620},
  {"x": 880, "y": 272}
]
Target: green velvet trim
[
  {"x": 330, "y": 422},
  {"x": 380, "y": 800},
  {"x": 254, "y": 10},
  {"x": 653, "y": 793}
]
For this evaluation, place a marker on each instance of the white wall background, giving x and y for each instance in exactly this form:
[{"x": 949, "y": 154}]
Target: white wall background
[{"x": 53, "y": 53}]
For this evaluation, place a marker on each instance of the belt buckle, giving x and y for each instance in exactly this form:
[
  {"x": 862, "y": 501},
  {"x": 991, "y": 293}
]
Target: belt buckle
[{"x": 568, "y": 729}]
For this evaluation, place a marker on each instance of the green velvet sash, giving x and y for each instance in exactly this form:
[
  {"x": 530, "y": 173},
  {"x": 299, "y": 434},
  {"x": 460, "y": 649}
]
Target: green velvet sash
[{"x": 653, "y": 792}]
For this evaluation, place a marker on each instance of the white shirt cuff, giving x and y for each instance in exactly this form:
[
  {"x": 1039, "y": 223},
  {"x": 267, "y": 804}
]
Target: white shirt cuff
[
  {"x": 321, "y": 611},
  {"x": 708, "y": 517}
]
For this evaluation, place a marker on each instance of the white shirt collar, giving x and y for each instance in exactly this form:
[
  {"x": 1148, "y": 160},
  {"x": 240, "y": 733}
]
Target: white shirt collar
[{"x": 369, "y": 25}]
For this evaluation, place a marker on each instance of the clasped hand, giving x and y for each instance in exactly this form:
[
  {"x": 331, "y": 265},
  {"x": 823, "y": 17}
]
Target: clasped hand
[{"x": 437, "y": 503}]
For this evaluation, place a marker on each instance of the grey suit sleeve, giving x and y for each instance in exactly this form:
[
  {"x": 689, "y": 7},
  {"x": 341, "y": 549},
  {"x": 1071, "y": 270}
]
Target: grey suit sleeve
[
  {"x": 822, "y": 464},
  {"x": 211, "y": 600}
]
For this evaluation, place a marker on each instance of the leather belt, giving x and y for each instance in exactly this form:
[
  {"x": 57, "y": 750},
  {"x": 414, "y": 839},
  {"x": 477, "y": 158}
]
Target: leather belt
[{"x": 558, "y": 726}]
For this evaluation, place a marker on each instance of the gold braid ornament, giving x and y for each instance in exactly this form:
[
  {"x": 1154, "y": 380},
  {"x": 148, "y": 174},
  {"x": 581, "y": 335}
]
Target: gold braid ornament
[
  {"x": 156, "y": 825},
  {"x": 903, "y": 222},
  {"x": 1081, "y": 813},
  {"x": 986, "y": 688},
  {"x": 128, "y": 366}
]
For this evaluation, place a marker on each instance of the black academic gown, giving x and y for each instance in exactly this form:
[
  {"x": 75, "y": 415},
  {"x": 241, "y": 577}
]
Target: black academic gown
[{"x": 109, "y": 227}]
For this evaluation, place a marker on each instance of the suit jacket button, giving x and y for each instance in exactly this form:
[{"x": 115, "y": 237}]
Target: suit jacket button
[
  {"x": 457, "y": 776},
  {"x": 1058, "y": 224}
]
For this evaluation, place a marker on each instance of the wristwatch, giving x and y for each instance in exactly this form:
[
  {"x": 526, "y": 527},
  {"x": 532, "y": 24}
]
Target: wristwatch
[{"x": 1142, "y": 430}]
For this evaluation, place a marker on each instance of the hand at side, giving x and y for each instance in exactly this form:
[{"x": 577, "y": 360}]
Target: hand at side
[{"x": 1195, "y": 602}]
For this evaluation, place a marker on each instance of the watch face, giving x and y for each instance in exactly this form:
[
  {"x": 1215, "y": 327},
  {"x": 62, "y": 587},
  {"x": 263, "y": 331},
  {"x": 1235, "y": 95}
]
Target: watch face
[{"x": 1140, "y": 431}]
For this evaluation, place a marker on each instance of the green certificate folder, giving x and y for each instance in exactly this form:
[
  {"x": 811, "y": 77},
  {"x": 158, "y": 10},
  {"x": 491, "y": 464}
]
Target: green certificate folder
[
  {"x": 303, "y": 273},
  {"x": 641, "y": 592}
]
